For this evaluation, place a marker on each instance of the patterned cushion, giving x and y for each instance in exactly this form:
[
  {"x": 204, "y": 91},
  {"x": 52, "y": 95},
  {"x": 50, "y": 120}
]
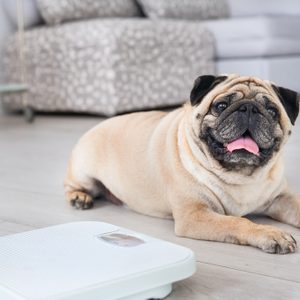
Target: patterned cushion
[
  {"x": 58, "y": 11},
  {"x": 110, "y": 66},
  {"x": 185, "y": 9}
]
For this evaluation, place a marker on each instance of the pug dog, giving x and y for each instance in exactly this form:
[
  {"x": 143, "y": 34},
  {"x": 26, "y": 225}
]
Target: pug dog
[{"x": 206, "y": 164}]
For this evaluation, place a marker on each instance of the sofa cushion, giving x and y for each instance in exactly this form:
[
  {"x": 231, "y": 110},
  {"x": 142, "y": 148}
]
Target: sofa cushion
[
  {"x": 110, "y": 66},
  {"x": 246, "y": 8},
  {"x": 256, "y": 36},
  {"x": 185, "y": 9},
  {"x": 283, "y": 70},
  {"x": 58, "y": 11}
]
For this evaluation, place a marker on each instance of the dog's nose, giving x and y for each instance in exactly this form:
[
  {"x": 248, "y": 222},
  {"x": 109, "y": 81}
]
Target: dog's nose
[{"x": 248, "y": 108}]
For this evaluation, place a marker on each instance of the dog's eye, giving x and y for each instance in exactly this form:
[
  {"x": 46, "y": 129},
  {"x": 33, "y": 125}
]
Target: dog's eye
[
  {"x": 220, "y": 106},
  {"x": 273, "y": 112}
]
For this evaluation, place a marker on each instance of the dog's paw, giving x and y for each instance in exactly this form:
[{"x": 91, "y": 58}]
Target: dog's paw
[
  {"x": 79, "y": 199},
  {"x": 272, "y": 240}
]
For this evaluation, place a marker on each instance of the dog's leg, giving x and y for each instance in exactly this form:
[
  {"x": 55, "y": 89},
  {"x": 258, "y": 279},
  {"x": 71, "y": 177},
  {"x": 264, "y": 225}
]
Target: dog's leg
[
  {"x": 285, "y": 208},
  {"x": 78, "y": 189},
  {"x": 79, "y": 199},
  {"x": 197, "y": 221}
]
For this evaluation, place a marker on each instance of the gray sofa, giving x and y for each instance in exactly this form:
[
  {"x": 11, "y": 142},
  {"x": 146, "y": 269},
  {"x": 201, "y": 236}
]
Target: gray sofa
[
  {"x": 110, "y": 66},
  {"x": 118, "y": 59}
]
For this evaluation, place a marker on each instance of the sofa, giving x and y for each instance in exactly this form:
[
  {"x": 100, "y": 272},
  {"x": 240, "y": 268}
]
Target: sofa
[{"x": 114, "y": 56}]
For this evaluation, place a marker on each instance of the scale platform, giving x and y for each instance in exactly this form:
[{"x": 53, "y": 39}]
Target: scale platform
[{"x": 89, "y": 261}]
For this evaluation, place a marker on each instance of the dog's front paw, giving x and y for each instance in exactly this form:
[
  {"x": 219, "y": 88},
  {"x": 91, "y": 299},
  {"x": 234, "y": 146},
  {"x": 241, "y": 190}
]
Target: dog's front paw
[
  {"x": 79, "y": 199},
  {"x": 273, "y": 240}
]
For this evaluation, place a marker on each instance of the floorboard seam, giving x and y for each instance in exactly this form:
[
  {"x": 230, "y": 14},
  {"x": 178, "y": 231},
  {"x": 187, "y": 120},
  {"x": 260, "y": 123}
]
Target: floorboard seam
[{"x": 244, "y": 271}]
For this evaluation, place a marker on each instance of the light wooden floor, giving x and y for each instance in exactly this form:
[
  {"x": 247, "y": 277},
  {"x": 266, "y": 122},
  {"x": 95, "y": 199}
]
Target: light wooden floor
[{"x": 32, "y": 166}]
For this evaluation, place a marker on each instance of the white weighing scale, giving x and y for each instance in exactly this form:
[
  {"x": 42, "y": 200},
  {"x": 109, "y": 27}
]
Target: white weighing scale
[{"x": 89, "y": 261}]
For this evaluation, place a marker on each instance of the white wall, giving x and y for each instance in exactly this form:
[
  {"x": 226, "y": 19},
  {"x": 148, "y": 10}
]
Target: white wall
[{"x": 5, "y": 29}]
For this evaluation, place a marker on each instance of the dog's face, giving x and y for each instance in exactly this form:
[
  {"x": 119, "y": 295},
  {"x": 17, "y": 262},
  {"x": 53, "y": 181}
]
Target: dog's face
[{"x": 242, "y": 121}]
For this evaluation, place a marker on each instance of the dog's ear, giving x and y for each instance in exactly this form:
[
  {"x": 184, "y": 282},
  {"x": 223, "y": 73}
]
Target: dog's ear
[
  {"x": 202, "y": 85},
  {"x": 289, "y": 100}
]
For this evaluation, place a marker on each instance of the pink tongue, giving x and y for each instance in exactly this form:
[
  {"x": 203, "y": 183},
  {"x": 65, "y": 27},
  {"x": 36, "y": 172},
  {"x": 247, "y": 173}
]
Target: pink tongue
[{"x": 246, "y": 143}]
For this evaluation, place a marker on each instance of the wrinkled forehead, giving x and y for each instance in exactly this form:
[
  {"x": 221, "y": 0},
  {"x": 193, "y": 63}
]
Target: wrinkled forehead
[
  {"x": 246, "y": 89},
  {"x": 242, "y": 88}
]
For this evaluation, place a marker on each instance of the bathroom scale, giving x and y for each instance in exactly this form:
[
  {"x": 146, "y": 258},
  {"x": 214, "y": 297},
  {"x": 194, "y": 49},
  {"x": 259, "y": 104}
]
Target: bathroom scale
[{"x": 90, "y": 261}]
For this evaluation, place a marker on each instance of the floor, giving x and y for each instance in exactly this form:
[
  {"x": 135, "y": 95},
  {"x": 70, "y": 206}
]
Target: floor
[{"x": 33, "y": 160}]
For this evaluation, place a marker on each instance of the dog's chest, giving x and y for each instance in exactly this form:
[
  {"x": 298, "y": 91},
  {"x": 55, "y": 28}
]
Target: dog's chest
[
  {"x": 245, "y": 199},
  {"x": 242, "y": 200}
]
